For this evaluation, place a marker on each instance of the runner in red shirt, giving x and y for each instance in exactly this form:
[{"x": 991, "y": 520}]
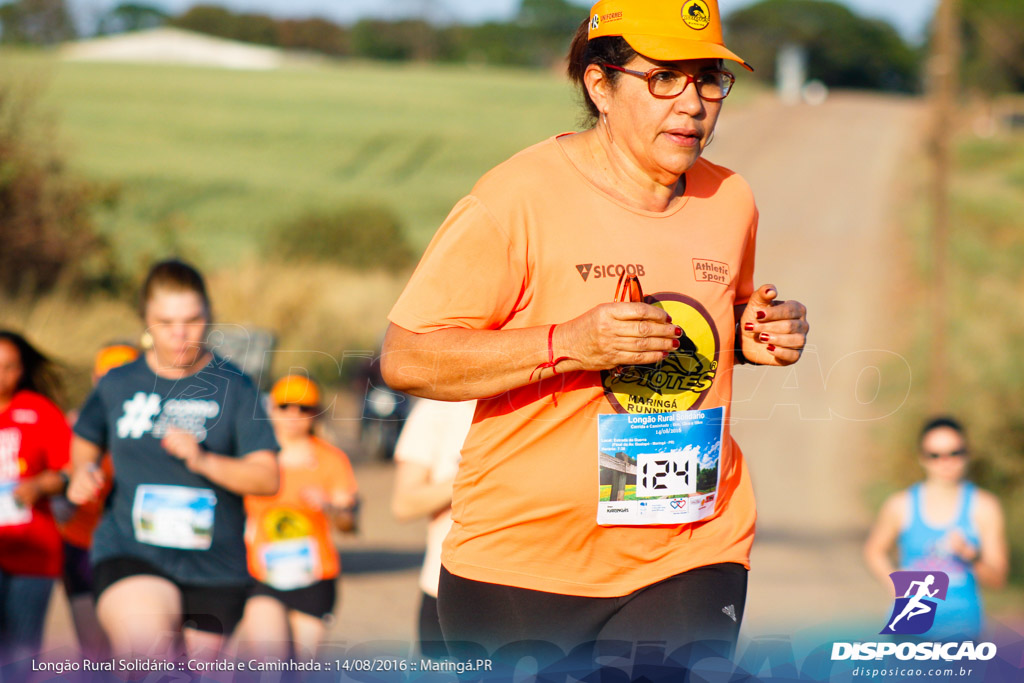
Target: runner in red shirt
[{"x": 34, "y": 442}]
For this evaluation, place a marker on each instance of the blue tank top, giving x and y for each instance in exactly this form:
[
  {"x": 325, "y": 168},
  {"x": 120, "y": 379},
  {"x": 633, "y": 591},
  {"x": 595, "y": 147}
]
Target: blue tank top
[{"x": 924, "y": 548}]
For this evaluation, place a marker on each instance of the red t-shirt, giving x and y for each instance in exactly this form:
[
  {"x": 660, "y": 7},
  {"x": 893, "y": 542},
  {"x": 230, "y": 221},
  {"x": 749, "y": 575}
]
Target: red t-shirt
[{"x": 34, "y": 437}]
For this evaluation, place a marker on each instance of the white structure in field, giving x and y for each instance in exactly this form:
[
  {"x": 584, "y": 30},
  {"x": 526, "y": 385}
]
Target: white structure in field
[{"x": 174, "y": 46}]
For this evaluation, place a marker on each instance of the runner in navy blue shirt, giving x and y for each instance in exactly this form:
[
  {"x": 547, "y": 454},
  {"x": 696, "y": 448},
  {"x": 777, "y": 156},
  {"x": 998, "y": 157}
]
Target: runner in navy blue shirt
[{"x": 188, "y": 437}]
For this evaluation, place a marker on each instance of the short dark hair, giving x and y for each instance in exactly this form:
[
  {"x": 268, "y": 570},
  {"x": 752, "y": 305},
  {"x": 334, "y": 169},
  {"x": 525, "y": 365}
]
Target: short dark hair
[
  {"x": 941, "y": 422},
  {"x": 175, "y": 276},
  {"x": 38, "y": 373},
  {"x": 604, "y": 50}
]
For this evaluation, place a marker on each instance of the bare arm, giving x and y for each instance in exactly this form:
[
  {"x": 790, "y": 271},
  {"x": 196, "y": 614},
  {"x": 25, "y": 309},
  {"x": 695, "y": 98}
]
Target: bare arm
[
  {"x": 882, "y": 539},
  {"x": 31, "y": 489},
  {"x": 343, "y": 511},
  {"x": 415, "y": 496},
  {"x": 86, "y": 479},
  {"x": 993, "y": 563},
  {"x": 254, "y": 474},
  {"x": 460, "y": 364}
]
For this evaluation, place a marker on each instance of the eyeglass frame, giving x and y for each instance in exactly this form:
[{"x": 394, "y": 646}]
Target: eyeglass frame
[{"x": 646, "y": 75}]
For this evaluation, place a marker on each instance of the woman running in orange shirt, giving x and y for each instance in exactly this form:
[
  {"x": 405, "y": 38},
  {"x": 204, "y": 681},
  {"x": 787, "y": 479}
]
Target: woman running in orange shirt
[{"x": 289, "y": 535}]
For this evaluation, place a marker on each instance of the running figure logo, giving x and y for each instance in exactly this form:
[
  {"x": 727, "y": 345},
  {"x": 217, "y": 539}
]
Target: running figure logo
[{"x": 914, "y": 612}]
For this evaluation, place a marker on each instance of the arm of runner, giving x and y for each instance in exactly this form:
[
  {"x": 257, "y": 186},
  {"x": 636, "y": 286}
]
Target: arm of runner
[
  {"x": 86, "y": 479},
  {"x": 343, "y": 511},
  {"x": 991, "y": 563},
  {"x": 46, "y": 483},
  {"x": 458, "y": 364},
  {"x": 882, "y": 539},
  {"x": 772, "y": 332},
  {"x": 253, "y": 474},
  {"x": 414, "y": 496}
]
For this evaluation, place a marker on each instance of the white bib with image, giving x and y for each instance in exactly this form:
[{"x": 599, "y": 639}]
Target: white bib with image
[
  {"x": 658, "y": 468},
  {"x": 174, "y": 516}
]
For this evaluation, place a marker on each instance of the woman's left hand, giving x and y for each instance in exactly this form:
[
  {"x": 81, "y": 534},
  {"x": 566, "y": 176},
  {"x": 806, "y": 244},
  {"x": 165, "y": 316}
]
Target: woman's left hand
[
  {"x": 773, "y": 332},
  {"x": 184, "y": 446}
]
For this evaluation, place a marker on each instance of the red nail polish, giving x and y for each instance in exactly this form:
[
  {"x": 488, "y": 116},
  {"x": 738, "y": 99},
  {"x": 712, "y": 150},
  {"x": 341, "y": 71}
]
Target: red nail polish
[
  {"x": 765, "y": 337},
  {"x": 669, "y": 319},
  {"x": 771, "y": 348},
  {"x": 679, "y": 331},
  {"x": 760, "y": 315},
  {"x": 675, "y": 343},
  {"x": 749, "y": 327}
]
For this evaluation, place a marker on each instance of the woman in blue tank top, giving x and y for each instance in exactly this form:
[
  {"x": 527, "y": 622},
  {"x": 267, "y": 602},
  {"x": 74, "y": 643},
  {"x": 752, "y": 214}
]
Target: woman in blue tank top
[{"x": 944, "y": 524}]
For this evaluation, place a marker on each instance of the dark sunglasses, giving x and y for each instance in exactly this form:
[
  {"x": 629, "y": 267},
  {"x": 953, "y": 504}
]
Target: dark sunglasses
[
  {"x": 959, "y": 453},
  {"x": 306, "y": 410}
]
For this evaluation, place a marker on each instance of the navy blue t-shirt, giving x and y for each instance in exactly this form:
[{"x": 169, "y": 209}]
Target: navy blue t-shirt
[{"x": 159, "y": 511}]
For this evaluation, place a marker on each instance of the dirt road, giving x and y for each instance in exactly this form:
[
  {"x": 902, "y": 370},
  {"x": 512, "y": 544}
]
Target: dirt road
[{"x": 824, "y": 179}]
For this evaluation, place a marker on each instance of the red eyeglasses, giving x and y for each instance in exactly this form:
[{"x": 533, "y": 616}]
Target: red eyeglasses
[{"x": 664, "y": 83}]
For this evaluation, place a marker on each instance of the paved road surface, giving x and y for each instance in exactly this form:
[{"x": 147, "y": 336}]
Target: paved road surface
[{"x": 824, "y": 178}]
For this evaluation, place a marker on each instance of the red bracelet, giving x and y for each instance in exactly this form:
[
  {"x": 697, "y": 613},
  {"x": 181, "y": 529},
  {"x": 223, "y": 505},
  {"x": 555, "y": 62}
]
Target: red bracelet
[{"x": 552, "y": 361}]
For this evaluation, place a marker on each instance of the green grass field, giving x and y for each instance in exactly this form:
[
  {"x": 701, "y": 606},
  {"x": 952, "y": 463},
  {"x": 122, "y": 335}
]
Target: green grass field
[
  {"x": 209, "y": 161},
  {"x": 212, "y": 159}
]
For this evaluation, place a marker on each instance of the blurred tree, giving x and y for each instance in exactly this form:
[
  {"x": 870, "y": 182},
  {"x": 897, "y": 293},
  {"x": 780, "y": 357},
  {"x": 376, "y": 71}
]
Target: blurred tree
[
  {"x": 130, "y": 16},
  {"x": 47, "y": 233},
  {"x": 317, "y": 35},
  {"x": 551, "y": 25},
  {"x": 552, "y": 16},
  {"x": 408, "y": 39},
  {"x": 255, "y": 28},
  {"x": 210, "y": 19},
  {"x": 843, "y": 49},
  {"x": 217, "y": 21},
  {"x": 35, "y": 22},
  {"x": 993, "y": 45}
]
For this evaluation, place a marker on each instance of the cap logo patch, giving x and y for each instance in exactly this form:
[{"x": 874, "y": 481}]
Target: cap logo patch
[
  {"x": 696, "y": 14},
  {"x": 595, "y": 22}
]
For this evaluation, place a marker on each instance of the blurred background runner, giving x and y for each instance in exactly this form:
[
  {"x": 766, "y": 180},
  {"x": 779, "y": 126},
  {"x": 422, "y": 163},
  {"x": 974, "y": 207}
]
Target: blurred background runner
[
  {"x": 944, "y": 523},
  {"x": 427, "y": 458},
  {"x": 188, "y": 437},
  {"x": 34, "y": 438},
  {"x": 289, "y": 534}
]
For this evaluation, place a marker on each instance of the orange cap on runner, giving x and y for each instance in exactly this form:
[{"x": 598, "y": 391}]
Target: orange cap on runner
[
  {"x": 666, "y": 31},
  {"x": 113, "y": 356},
  {"x": 295, "y": 390}
]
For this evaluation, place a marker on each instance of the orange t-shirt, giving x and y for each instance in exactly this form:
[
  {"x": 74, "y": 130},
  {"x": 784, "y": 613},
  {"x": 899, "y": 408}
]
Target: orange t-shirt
[
  {"x": 536, "y": 243},
  {"x": 287, "y": 538},
  {"x": 78, "y": 528}
]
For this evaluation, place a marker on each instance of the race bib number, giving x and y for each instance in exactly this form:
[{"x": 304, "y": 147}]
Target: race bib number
[
  {"x": 174, "y": 516},
  {"x": 291, "y": 564},
  {"x": 12, "y": 513},
  {"x": 659, "y": 468}
]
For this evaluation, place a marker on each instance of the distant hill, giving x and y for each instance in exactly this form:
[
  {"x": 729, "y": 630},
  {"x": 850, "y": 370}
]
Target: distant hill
[{"x": 174, "y": 46}]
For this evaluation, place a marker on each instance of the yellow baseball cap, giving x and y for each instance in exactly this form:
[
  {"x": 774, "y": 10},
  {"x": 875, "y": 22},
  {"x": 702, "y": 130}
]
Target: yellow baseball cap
[
  {"x": 113, "y": 356},
  {"x": 295, "y": 390},
  {"x": 665, "y": 31}
]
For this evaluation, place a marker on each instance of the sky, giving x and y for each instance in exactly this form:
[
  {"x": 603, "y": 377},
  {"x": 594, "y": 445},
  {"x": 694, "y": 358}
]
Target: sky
[{"x": 908, "y": 16}]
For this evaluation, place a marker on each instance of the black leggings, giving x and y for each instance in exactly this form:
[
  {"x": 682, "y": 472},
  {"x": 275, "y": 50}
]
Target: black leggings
[{"x": 704, "y": 605}]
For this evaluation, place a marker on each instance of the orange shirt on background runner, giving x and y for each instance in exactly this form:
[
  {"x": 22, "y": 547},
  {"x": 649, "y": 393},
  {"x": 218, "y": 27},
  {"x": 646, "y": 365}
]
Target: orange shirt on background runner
[
  {"x": 78, "y": 528},
  {"x": 287, "y": 518},
  {"x": 534, "y": 244}
]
